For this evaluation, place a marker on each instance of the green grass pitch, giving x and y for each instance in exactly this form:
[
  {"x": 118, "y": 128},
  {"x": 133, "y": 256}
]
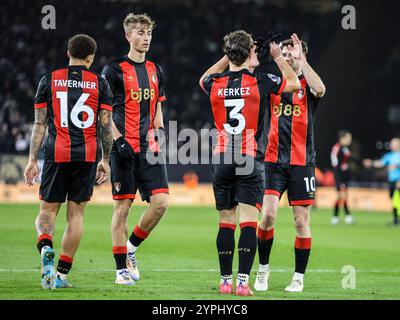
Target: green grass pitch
[{"x": 179, "y": 260}]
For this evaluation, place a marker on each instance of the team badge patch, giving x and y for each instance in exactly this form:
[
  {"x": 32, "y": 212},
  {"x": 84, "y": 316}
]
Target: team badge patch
[
  {"x": 274, "y": 78},
  {"x": 300, "y": 93},
  {"x": 117, "y": 186},
  {"x": 154, "y": 78}
]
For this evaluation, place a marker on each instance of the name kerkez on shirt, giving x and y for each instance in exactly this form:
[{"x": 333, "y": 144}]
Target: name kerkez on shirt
[{"x": 223, "y": 92}]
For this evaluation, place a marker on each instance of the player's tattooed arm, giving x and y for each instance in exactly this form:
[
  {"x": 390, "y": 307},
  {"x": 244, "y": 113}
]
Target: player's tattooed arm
[
  {"x": 39, "y": 130},
  {"x": 106, "y": 135},
  {"x": 106, "y": 132},
  {"x": 38, "y": 133}
]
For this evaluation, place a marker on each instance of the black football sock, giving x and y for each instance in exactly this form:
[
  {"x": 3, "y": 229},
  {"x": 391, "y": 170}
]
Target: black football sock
[
  {"x": 44, "y": 240},
  {"x": 395, "y": 216},
  {"x": 226, "y": 247},
  {"x": 138, "y": 236},
  {"x": 120, "y": 256},
  {"x": 346, "y": 208},
  {"x": 302, "y": 250},
  {"x": 336, "y": 210},
  {"x": 265, "y": 241},
  {"x": 247, "y": 246},
  {"x": 64, "y": 264}
]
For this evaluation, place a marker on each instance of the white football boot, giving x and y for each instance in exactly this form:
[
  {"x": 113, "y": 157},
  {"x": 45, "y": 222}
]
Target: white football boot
[
  {"x": 349, "y": 219},
  {"x": 124, "y": 278},
  {"x": 261, "y": 283},
  {"x": 297, "y": 285},
  {"x": 132, "y": 266}
]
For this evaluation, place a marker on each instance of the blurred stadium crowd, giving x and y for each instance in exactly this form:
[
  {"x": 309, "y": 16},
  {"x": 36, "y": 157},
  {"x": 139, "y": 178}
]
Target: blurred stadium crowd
[
  {"x": 187, "y": 39},
  {"x": 182, "y": 45}
]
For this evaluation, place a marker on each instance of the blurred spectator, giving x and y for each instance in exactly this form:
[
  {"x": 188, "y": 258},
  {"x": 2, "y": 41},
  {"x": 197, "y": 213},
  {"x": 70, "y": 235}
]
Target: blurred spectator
[{"x": 187, "y": 40}]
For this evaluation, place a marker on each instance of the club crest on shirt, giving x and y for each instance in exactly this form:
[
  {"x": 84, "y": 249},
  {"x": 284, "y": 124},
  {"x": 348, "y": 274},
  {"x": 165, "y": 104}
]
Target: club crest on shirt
[
  {"x": 154, "y": 78},
  {"x": 300, "y": 93},
  {"x": 117, "y": 186}
]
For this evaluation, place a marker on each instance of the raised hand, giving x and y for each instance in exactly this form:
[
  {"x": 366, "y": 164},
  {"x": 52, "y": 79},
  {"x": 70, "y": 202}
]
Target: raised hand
[
  {"x": 367, "y": 163},
  {"x": 297, "y": 49},
  {"x": 275, "y": 50}
]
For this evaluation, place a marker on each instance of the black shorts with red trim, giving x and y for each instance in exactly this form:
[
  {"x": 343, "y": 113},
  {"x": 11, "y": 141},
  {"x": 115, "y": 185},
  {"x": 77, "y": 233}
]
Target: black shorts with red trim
[
  {"x": 299, "y": 181},
  {"x": 74, "y": 180},
  {"x": 127, "y": 176},
  {"x": 238, "y": 183},
  {"x": 342, "y": 179}
]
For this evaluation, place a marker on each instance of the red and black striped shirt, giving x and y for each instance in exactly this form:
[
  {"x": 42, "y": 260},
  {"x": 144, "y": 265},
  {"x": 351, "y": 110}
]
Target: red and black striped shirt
[
  {"x": 290, "y": 127},
  {"x": 340, "y": 157},
  {"x": 73, "y": 97},
  {"x": 136, "y": 88},
  {"x": 238, "y": 101}
]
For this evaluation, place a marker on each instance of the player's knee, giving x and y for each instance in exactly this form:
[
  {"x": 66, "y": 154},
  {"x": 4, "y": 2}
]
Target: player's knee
[
  {"x": 121, "y": 210},
  {"x": 160, "y": 205},
  {"x": 270, "y": 216},
  {"x": 301, "y": 222}
]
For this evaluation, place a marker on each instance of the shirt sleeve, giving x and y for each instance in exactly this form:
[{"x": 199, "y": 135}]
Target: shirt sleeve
[
  {"x": 108, "y": 73},
  {"x": 161, "y": 80},
  {"x": 386, "y": 159},
  {"x": 207, "y": 83},
  {"x": 271, "y": 83},
  {"x": 42, "y": 93},
  {"x": 105, "y": 95}
]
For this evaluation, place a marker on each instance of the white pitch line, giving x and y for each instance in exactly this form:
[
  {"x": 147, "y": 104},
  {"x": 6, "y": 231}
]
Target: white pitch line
[{"x": 212, "y": 270}]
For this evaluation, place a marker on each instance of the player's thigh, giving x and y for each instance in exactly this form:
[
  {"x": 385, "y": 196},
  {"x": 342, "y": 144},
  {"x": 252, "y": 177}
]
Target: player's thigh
[
  {"x": 228, "y": 216},
  {"x": 247, "y": 213},
  {"x": 83, "y": 178},
  {"x": 49, "y": 208},
  {"x": 250, "y": 187},
  {"x": 342, "y": 181},
  {"x": 55, "y": 181},
  {"x": 224, "y": 186},
  {"x": 301, "y": 187},
  {"x": 276, "y": 179},
  {"x": 152, "y": 179},
  {"x": 75, "y": 208},
  {"x": 123, "y": 179}
]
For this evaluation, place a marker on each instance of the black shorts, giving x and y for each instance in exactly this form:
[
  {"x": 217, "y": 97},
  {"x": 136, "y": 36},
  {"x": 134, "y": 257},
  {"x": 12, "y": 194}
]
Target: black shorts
[
  {"x": 129, "y": 175},
  {"x": 75, "y": 179},
  {"x": 342, "y": 179},
  {"x": 231, "y": 187},
  {"x": 299, "y": 181},
  {"x": 392, "y": 188}
]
